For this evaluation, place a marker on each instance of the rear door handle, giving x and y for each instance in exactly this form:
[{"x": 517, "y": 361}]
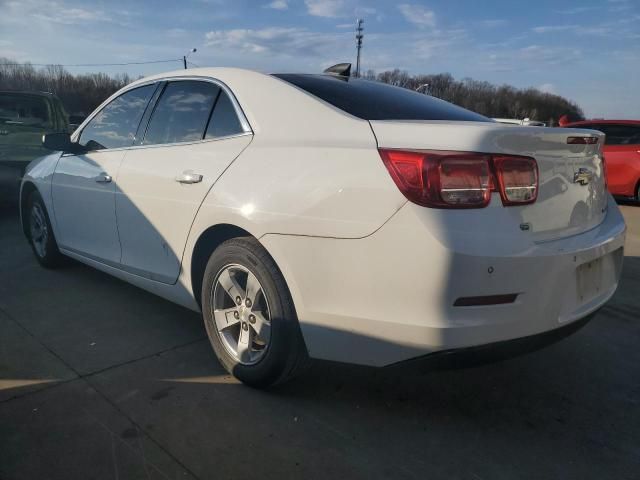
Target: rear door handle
[
  {"x": 189, "y": 177},
  {"x": 104, "y": 178}
]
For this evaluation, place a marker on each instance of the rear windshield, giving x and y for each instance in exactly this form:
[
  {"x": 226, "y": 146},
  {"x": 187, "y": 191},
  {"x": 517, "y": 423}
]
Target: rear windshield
[
  {"x": 24, "y": 110},
  {"x": 378, "y": 101}
]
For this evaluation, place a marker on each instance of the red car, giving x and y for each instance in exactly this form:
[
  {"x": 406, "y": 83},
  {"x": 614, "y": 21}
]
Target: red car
[{"x": 622, "y": 154}]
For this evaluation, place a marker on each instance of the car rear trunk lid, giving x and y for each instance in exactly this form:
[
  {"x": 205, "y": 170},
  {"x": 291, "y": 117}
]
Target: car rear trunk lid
[{"x": 572, "y": 194}]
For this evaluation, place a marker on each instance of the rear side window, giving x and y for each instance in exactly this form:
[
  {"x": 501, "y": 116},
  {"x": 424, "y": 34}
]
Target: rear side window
[
  {"x": 621, "y": 134},
  {"x": 224, "y": 120},
  {"x": 378, "y": 101},
  {"x": 116, "y": 124},
  {"x": 182, "y": 112}
]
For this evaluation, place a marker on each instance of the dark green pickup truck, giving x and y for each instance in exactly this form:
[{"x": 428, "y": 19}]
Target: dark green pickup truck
[{"x": 24, "y": 118}]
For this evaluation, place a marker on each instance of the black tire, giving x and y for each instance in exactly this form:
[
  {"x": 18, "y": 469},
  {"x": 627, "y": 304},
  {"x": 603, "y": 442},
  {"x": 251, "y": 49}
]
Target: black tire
[
  {"x": 638, "y": 193},
  {"x": 285, "y": 355},
  {"x": 46, "y": 250}
]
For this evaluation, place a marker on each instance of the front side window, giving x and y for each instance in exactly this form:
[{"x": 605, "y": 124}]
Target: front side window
[
  {"x": 116, "y": 124},
  {"x": 182, "y": 113}
]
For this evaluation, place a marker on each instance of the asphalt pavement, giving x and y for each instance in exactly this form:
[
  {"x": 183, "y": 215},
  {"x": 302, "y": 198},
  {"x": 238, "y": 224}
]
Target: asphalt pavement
[{"x": 99, "y": 379}]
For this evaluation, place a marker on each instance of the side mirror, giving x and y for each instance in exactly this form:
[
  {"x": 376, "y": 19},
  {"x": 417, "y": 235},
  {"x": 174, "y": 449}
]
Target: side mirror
[{"x": 60, "y": 142}]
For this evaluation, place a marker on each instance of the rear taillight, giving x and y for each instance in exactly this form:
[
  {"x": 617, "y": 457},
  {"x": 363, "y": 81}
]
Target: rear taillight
[
  {"x": 517, "y": 179},
  {"x": 443, "y": 179}
]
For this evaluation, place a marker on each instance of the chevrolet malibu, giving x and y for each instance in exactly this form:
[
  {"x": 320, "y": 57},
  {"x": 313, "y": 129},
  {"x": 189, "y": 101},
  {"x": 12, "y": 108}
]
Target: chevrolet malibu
[{"x": 325, "y": 216}]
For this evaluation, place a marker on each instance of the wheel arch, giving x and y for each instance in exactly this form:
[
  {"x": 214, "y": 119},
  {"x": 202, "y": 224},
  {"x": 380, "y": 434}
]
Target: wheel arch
[{"x": 207, "y": 242}]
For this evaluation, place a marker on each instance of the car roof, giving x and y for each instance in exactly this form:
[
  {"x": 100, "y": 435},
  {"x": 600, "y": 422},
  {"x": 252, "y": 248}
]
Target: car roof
[
  {"x": 602, "y": 122},
  {"x": 275, "y": 115}
]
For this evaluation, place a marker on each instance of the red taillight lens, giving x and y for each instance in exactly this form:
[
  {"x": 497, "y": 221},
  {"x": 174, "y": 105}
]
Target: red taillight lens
[
  {"x": 443, "y": 179},
  {"x": 517, "y": 179}
]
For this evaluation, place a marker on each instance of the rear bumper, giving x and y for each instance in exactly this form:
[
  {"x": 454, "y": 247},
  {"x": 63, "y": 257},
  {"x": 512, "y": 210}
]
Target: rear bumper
[
  {"x": 492, "y": 352},
  {"x": 390, "y": 297}
]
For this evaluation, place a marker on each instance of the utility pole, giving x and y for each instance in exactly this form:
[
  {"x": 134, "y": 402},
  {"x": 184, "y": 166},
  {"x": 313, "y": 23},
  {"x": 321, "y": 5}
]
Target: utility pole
[{"x": 359, "y": 37}]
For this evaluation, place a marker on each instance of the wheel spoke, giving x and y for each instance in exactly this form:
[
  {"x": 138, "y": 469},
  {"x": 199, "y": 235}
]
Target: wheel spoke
[
  {"x": 230, "y": 285},
  {"x": 262, "y": 327},
  {"x": 225, "y": 318},
  {"x": 244, "y": 345},
  {"x": 253, "y": 288}
]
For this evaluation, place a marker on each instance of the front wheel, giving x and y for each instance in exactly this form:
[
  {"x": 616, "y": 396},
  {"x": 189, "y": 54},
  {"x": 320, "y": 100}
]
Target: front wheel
[
  {"x": 249, "y": 315},
  {"x": 41, "y": 238}
]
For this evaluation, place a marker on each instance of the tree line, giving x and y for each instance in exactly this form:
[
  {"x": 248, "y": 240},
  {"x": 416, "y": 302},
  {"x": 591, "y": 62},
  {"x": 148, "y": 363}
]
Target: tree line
[
  {"x": 82, "y": 93},
  {"x": 496, "y": 101}
]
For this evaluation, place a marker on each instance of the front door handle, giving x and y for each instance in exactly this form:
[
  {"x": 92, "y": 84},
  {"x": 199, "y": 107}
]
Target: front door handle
[
  {"x": 189, "y": 177},
  {"x": 103, "y": 178}
]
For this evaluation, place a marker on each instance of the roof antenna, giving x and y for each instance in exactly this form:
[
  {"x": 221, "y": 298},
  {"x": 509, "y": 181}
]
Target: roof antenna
[{"x": 340, "y": 70}]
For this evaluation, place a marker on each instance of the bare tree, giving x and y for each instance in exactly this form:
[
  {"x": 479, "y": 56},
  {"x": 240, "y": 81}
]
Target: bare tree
[
  {"x": 483, "y": 97},
  {"x": 80, "y": 94}
]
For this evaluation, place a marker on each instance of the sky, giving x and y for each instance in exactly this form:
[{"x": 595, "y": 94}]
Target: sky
[{"x": 585, "y": 50}]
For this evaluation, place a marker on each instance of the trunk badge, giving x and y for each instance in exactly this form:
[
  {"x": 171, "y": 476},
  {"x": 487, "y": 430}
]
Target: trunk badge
[{"x": 583, "y": 176}]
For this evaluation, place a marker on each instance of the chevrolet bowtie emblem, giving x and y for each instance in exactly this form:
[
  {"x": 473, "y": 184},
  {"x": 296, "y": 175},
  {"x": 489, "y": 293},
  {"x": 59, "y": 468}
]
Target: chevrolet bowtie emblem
[{"x": 583, "y": 176}]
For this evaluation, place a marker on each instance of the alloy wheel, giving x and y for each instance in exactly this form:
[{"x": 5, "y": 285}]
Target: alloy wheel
[
  {"x": 39, "y": 230},
  {"x": 241, "y": 314}
]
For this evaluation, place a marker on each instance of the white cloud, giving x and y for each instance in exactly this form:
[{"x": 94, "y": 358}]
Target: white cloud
[
  {"x": 325, "y": 8},
  {"x": 547, "y": 88},
  {"x": 600, "y": 30},
  {"x": 576, "y": 10},
  {"x": 176, "y": 32},
  {"x": 554, "y": 28},
  {"x": 493, "y": 23},
  {"x": 278, "y": 5},
  {"x": 277, "y": 41},
  {"x": 56, "y": 12},
  {"x": 418, "y": 15}
]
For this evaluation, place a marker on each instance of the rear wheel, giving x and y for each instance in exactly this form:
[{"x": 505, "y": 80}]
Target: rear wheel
[
  {"x": 41, "y": 238},
  {"x": 638, "y": 192},
  {"x": 249, "y": 315}
]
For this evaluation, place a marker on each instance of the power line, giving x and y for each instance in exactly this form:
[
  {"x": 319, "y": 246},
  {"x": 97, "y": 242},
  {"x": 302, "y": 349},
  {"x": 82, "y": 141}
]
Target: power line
[{"x": 88, "y": 64}]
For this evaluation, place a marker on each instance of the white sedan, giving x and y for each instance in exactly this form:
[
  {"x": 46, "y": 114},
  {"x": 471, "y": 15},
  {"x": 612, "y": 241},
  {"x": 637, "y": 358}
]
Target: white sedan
[{"x": 331, "y": 217}]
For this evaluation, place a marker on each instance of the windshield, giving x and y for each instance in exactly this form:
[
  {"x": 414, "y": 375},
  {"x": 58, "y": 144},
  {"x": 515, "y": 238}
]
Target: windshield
[{"x": 24, "y": 110}]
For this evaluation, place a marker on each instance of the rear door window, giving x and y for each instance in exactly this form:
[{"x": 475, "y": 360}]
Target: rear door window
[
  {"x": 224, "y": 119},
  {"x": 182, "y": 112},
  {"x": 116, "y": 124},
  {"x": 378, "y": 101}
]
